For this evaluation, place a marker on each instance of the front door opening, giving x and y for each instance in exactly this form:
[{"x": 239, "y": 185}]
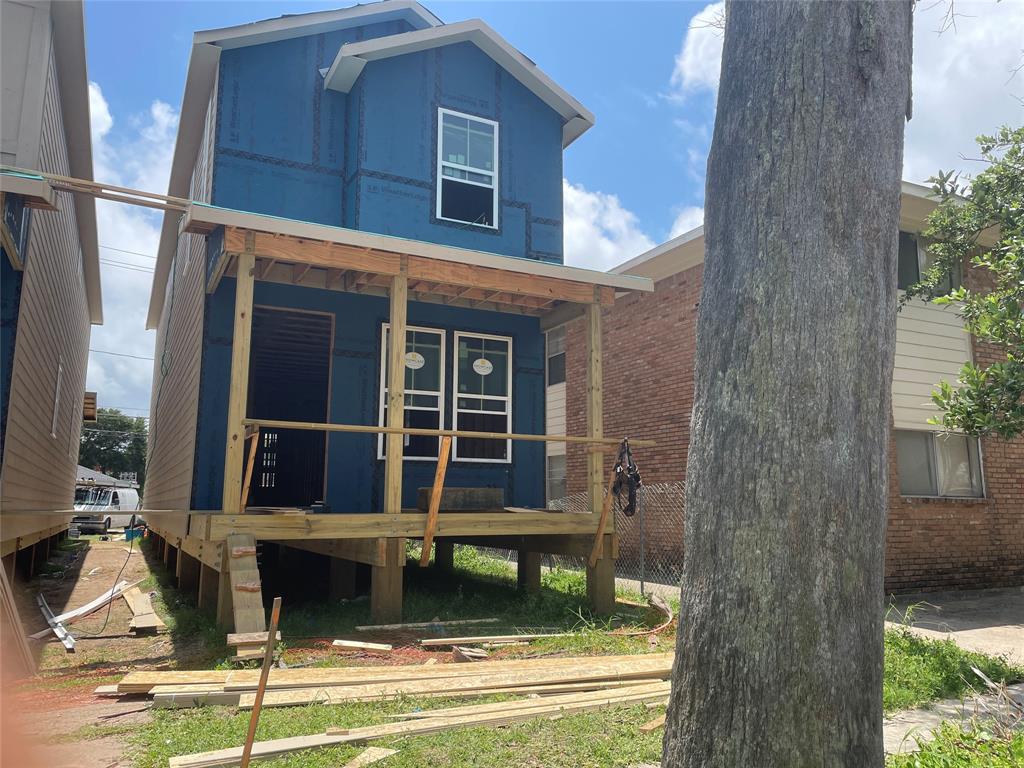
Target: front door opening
[{"x": 289, "y": 380}]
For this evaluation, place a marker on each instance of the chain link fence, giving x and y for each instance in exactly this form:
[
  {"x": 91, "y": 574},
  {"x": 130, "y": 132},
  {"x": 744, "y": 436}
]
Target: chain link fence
[{"x": 650, "y": 542}]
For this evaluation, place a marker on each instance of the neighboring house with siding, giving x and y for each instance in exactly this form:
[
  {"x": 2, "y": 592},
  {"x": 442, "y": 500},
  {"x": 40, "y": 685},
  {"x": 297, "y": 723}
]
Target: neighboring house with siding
[
  {"x": 426, "y": 150},
  {"x": 956, "y": 513},
  {"x": 49, "y": 270}
]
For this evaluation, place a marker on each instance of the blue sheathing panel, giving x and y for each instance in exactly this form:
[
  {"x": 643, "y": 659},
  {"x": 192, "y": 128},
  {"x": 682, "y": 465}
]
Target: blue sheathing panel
[
  {"x": 354, "y": 475},
  {"x": 391, "y": 163}
]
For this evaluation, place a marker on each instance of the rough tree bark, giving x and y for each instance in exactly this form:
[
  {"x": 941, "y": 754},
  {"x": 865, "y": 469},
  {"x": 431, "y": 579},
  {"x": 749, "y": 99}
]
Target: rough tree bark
[{"x": 779, "y": 654}]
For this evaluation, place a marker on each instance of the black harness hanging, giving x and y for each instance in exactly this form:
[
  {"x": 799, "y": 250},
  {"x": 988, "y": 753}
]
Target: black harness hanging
[{"x": 627, "y": 476}]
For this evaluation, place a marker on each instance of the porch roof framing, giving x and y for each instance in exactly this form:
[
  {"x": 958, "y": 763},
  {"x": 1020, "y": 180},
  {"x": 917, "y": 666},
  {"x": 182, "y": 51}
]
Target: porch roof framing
[{"x": 432, "y": 269}]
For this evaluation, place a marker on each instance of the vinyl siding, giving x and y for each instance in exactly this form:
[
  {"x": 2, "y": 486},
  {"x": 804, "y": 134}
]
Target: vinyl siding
[
  {"x": 41, "y": 448},
  {"x": 555, "y": 410},
  {"x": 175, "y": 399},
  {"x": 931, "y": 345}
]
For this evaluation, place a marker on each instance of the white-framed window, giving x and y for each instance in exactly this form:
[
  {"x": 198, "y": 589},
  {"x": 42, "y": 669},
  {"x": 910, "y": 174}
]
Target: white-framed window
[
  {"x": 555, "y": 362},
  {"x": 914, "y": 260},
  {"x": 58, "y": 385},
  {"x": 483, "y": 396},
  {"x": 467, "y": 169},
  {"x": 938, "y": 464},
  {"x": 424, "y": 389}
]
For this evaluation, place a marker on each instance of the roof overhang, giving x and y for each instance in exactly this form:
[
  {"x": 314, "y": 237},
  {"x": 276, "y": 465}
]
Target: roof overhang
[
  {"x": 356, "y": 260},
  {"x": 680, "y": 253},
  {"x": 353, "y": 57},
  {"x": 69, "y": 53}
]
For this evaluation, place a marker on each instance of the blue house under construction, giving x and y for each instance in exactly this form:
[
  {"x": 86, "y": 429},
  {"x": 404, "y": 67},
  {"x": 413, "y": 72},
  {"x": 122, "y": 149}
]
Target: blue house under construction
[{"x": 343, "y": 177}]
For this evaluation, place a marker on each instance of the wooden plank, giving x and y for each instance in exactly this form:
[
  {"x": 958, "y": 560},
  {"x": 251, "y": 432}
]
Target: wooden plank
[
  {"x": 250, "y": 638},
  {"x": 239, "y": 385},
  {"x": 250, "y": 463},
  {"x": 653, "y": 725},
  {"x": 399, "y": 302},
  {"x": 476, "y": 639},
  {"x": 358, "y": 645},
  {"x": 544, "y": 708},
  {"x": 594, "y": 403},
  {"x": 369, "y": 756},
  {"x": 243, "y": 571},
  {"x": 369, "y": 551},
  {"x": 408, "y": 524},
  {"x": 268, "y": 658},
  {"x": 597, "y": 548},
  {"x": 143, "y": 615},
  {"x": 435, "y": 500},
  {"x": 319, "y": 426},
  {"x": 423, "y": 625}
]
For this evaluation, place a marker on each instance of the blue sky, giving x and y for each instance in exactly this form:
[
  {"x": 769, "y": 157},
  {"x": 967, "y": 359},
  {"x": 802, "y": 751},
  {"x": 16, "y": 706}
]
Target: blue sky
[{"x": 647, "y": 70}]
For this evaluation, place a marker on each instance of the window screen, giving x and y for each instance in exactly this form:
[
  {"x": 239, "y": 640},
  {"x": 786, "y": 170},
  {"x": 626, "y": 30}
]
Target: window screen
[{"x": 931, "y": 464}]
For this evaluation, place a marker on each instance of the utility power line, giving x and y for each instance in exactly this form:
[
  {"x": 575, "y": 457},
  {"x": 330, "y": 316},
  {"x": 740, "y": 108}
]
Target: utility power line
[
  {"x": 133, "y": 253},
  {"x": 120, "y": 354}
]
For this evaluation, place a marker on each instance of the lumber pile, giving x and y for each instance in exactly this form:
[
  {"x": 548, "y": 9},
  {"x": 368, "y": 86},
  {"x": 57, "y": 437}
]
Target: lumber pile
[
  {"x": 303, "y": 686},
  {"x": 144, "y": 618},
  {"x": 441, "y": 720}
]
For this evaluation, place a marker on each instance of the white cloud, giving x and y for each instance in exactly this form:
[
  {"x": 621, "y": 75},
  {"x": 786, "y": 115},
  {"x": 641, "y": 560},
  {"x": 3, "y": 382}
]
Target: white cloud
[
  {"x": 963, "y": 78},
  {"x": 599, "y": 232},
  {"x": 962, "y": 83},
  {"x": 688, "y": 218},
  {"x": 137, "y": 156},
  {"x": 699, "y": 61}
]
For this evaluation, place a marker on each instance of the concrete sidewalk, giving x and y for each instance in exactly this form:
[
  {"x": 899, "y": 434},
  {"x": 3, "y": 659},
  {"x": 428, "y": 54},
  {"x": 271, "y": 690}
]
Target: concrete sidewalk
[{"x": 989, "y": 621}]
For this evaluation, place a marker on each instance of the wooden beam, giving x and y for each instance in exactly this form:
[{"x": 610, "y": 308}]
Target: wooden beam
[
  {"x": 399, "y": 298},
  {"x": 254, "y": 444},
  {"x": 435, "y": 499},
  {"x": 386, "y": 586},
  {"x": 602, "y": 522},
  {"x": 594, "y": 405},
  {"x": 369, "y": 551},
  {"x": 528, "y": 571},
  {"x": 389, "y": 430},
  {"x": 239, "y": 386},
  {"x": 407, "y": 524}
]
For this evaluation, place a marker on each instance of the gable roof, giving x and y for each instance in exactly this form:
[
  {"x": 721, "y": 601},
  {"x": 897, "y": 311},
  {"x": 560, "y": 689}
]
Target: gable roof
[
  {"x": 352, "y": 57},
  {"x": 202, "y": 74}
]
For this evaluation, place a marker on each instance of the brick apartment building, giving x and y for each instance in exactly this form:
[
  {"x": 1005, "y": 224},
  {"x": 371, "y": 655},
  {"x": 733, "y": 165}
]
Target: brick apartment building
[{"x": 956, "y": 513}]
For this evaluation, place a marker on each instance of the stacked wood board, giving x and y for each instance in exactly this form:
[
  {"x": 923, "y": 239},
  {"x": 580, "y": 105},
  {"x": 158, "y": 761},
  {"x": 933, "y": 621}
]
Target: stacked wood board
[
  {"x": 449, "y": 719},
  {"x": 295, "y": 687}
]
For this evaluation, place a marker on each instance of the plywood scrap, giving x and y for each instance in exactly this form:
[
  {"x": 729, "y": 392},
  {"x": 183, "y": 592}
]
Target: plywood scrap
[
  {"x": 477, "y": 639},
  {"x": 357, "y": 645},
  {"x": 370, "y": 756},
  {"x": 250, "y": 638},
  {"x": 653, "y": 725},
  {"x": 143, "y": 615}
]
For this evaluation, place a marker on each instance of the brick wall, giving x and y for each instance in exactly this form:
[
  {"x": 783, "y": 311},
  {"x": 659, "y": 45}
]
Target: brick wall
[{"x": 649, "y": 342}]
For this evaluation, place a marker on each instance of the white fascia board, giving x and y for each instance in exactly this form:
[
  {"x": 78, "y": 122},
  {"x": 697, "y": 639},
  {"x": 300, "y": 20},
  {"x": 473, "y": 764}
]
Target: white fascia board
[
  {"x": 69, "y": 54},
  {"x": 648, "y": 262},
  {"x": 342, "y": 76},
  {"x": 202, "y": 73},
  {"x": 35, "y": 189},
  {"x": 208, "y": 215},
  {"x": 286, "y": 27}
]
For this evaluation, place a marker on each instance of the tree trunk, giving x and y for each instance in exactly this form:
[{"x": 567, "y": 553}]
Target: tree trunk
[{"x": 779, "y": 654}]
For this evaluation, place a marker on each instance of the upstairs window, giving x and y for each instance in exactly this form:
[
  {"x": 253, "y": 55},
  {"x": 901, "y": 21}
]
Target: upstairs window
[
  {"x": 483, "y": 396},
  {"x": 933, "y": 464},
  {"x": 914, "y": 260},
  {"x": 467, "y": 169}
]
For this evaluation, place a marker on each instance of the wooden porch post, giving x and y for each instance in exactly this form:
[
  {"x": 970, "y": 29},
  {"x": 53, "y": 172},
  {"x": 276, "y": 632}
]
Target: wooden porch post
[
  {"x": 600, "y": 577},
  {"x": 239, "y": 392},
  {"x": 386, "y": 580}
]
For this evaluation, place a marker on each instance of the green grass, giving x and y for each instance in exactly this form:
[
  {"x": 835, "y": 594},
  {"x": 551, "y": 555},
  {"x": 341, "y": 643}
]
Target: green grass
[
  {"x": 973, "y": 747},
  {"x": 919, "y": 670},
  {"x": 605, "y": 738}
]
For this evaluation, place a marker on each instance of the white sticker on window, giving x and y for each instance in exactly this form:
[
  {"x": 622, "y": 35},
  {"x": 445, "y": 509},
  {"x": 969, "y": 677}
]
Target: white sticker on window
[
  {"x": 414, "y": 360},
  {"x": 482, "y": 366}
]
